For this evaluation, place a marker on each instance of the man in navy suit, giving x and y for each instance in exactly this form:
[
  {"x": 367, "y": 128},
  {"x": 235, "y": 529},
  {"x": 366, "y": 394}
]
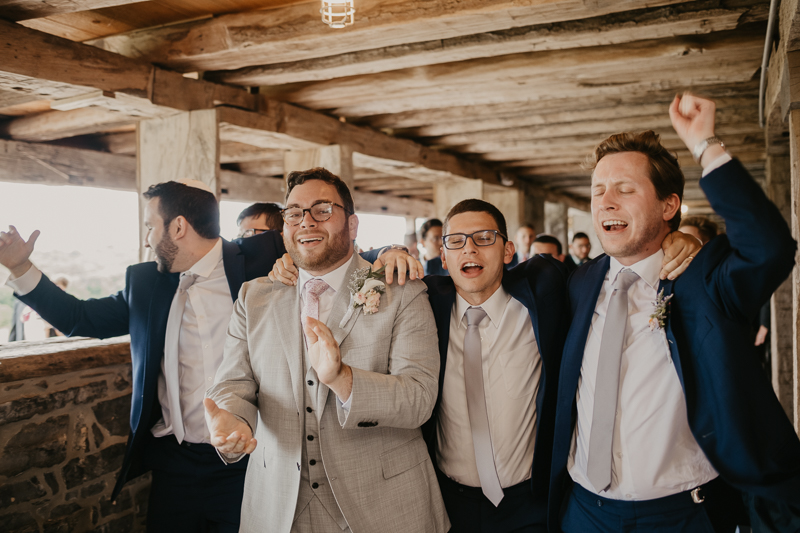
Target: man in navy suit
[
  {"x": 494, "y": 479},
  {"x": 662, "y": 407}
]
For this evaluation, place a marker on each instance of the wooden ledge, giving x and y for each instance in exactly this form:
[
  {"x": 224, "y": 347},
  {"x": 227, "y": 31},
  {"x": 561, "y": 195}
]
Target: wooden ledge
[{"x": 33, "y": 359}]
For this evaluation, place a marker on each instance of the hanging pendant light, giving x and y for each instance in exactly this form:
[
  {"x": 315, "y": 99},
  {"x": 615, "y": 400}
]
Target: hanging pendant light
[{"x": 337, "y": 13}]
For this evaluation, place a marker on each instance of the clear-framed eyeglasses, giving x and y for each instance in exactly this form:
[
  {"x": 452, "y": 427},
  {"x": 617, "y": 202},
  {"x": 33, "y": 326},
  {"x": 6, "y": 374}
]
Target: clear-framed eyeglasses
[
  {"x": 250, "y": 232},
  {"x": 320, "y": 212},
  {"x": 486, "y": 237}
]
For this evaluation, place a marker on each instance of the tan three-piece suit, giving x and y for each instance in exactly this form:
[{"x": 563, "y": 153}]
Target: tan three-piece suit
[{"x": 367, "y": 468}]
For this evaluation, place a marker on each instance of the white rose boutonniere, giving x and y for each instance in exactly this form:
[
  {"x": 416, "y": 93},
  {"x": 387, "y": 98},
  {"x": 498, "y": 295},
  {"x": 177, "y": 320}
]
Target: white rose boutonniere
[
  {"x": 659, "y": 319},
  {"x": 365, "y": 288}
]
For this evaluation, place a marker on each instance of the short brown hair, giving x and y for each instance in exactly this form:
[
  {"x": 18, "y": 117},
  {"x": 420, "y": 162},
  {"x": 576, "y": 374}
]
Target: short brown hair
[
  {"x": 705, "y": 227},
  {"x": 479, "y": 206},
  {"x": 298, "y": 177},
  {"x": 665, "y": 172}
]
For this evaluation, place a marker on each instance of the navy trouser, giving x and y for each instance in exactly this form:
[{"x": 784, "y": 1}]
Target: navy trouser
[
  {"x": 472, "y": 512},
  {"x": 192, "y": 489},
  {"x": 587, "y": 512}
]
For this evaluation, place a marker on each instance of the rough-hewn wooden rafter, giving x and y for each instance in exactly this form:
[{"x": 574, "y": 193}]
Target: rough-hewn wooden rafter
[
  {"x": 618, "y": 28},
  {"x": 294, "y": 33}
]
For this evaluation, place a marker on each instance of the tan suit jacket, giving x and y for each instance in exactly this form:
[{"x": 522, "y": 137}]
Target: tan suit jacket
[{"x": 374, "y": 456}]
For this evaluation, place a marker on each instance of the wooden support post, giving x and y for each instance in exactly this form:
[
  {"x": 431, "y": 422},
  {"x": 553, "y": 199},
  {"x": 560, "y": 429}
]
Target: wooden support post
[
  {"x": 336, "y": 158},
  {"x": 556, "y": 222},
  {"x": 581, "y": 222},
  {"x": 794, "y": 144},
  {"x": 533, "y": 209},
  {"x": 778, "y": 173},
  {"x": 510, "y": 202},
  {"x": 446, "y": 195},
  {"x": 185, "y": 145}
]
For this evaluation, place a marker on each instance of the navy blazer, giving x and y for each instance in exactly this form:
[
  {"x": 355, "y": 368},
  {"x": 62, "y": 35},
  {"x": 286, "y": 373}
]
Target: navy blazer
[
  {"x": 540, "y": 285},
  {"x": 732, "y": 410}
]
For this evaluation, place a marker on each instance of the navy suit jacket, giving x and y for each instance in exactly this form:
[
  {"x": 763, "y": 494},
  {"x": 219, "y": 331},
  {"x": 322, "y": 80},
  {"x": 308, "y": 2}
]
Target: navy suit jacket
[
  {"x": 539, "y": 284},
  {"x": 732, "y": 410}
]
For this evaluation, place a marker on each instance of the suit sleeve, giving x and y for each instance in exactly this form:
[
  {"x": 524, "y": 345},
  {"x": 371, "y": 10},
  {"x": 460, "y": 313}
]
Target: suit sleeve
[
  {"x": 762, "y": 250},
  {"x": 235, "y": 388},
  {"x": 403, "y": 398},
  {"x": 99, "y": 318}
]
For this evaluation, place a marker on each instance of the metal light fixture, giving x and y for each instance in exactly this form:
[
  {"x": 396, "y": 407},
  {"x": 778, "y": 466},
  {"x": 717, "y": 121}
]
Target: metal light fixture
[{"x": 337, "y": 13}]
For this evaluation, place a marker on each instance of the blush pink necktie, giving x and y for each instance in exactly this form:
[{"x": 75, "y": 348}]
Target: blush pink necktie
[{"x": 314, "y": 289}]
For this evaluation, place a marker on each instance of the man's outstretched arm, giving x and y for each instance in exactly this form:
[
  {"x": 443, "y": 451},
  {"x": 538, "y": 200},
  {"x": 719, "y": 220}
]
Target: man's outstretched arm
[{"x": 101, "y": 318}]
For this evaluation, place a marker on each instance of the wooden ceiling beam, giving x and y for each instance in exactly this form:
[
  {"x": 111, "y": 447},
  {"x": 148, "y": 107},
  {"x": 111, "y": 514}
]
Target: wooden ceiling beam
[
  {"x": 722, "y": 57},
  {"x": 744, "y": 105},
  {"x": 409, "y": 121},
  {"x": 637, "y": 25},
  {"x": 294, "y": 33},
  {"x": 15, "y": 10},
  {"x": 730, "y": 118},
  {"x": 43, "y": 60}
]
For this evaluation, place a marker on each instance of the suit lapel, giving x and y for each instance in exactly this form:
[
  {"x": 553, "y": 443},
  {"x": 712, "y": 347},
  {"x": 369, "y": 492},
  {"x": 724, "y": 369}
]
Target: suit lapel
[
  {"x": 233, "y": 262},
  {"x": 286, "y": 313},
  {"x": 583, "y": 311},
  {"x": 668, "y": 286},
  {"x": 340, "y": 305}
]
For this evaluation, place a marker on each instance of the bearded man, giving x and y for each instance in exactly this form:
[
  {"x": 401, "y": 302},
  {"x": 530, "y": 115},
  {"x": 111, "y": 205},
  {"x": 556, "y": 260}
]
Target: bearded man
[{"x": 334, "y": 382}]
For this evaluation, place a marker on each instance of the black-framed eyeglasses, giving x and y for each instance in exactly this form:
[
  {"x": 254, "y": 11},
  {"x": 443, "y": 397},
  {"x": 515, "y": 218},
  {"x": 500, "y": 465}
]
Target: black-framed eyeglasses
[
  {"x": 320, "y": 212},
  {"x": 486, "y": 237},
  {"x": 252, "y": 231}
]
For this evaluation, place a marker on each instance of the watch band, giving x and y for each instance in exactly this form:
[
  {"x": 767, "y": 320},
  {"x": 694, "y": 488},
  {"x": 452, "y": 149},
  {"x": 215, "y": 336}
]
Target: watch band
[{"x": 703, "y": 145}]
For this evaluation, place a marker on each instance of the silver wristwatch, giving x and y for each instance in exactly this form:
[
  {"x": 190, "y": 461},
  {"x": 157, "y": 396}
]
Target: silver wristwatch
[
  {"x": 703, "y": 145},
  {"x": 394, "y": 247}
]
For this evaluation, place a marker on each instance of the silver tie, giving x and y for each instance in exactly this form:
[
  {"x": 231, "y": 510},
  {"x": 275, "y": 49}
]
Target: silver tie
[
  {"x": 476, "y": 406},
  {"x": 171, "y": 372},
  {"x": 607, "y": 384}
]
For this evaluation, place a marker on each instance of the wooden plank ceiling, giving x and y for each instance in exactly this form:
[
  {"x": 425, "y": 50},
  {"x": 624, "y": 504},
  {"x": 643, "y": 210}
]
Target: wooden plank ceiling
[{"x": 526, "y": 87}]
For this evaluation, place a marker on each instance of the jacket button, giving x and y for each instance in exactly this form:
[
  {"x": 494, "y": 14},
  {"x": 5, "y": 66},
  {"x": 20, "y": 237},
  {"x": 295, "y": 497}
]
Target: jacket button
[
  {"x": 315, "y": 485},
  {"x": 310, "y": 437},
  {"x": 309, "y": 409},
  {"x": 312, "y": 462},
  {"x": 311, "y": 383}
]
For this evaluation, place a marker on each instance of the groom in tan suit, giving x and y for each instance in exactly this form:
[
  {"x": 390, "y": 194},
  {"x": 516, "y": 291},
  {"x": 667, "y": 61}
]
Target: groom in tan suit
[{"x": 337, "y": 402}]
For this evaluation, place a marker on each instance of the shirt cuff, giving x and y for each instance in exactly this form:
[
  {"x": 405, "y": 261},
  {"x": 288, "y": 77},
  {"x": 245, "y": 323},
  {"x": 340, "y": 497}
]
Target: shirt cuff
[
  {"x": 715, "y": 164},
  {"x": 26, "y": 282},
  {"x": 346, "y": 405}
]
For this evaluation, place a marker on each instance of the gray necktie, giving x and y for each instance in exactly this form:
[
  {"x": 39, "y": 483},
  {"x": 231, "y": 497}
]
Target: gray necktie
[
  {"x": 476, "y": 405},
  {"x": 607, "y": 384},
  {"x": 171, "y": 373}
]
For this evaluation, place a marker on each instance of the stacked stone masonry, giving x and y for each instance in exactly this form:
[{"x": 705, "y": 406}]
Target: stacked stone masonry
[{"x": 62, "y": 440}]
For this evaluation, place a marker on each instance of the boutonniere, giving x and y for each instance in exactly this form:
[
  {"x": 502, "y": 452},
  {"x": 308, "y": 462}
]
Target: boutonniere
[
  {"x": 659, "y": 319},
  {"x": 365, "y": 288}
]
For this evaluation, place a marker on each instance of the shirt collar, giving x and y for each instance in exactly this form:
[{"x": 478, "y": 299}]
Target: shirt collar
[
  {"x": 206, "y": 265},
  {"x": 494, "y": 306},
  {"x": 648, "y": 269},
  {"x": 334, "y": 278}
]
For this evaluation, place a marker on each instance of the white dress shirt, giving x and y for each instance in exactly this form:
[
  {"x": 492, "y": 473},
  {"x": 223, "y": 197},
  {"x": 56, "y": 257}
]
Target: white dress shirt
[
  {"x": 202, "y": 337},
  {"x": 512, "y": 369},
  {"x": 203, "y": 330},
  {"x": 654, "y": 453},
  {"x": 336, "y": 281}
]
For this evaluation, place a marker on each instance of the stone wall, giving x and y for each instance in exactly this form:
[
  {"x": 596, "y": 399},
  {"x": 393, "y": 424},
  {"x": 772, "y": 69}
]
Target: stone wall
[{"x": 64, "y": 410}]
